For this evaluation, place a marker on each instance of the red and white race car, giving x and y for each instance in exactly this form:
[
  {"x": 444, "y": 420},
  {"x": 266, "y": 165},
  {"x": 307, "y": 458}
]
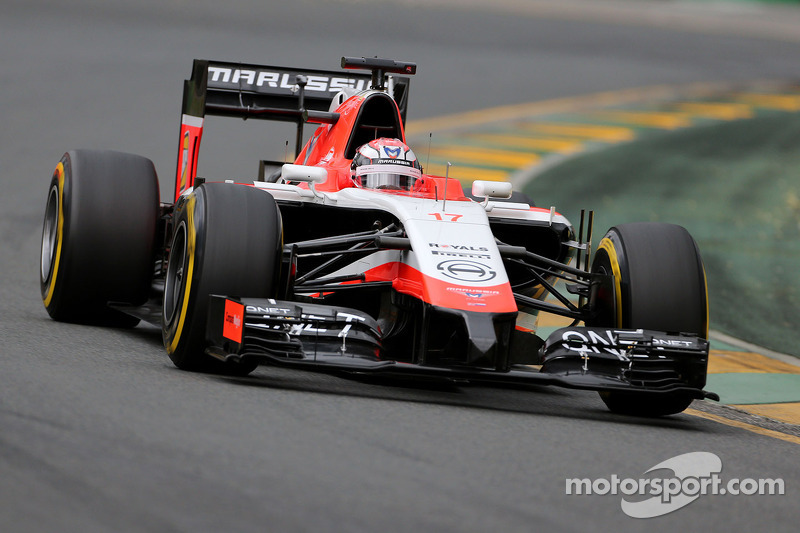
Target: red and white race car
[{"x": 353, "y": 259}]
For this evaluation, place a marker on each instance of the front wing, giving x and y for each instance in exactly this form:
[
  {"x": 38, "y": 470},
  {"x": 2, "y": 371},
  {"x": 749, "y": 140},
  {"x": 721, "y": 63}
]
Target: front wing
[{"x": 334, "y": 340}]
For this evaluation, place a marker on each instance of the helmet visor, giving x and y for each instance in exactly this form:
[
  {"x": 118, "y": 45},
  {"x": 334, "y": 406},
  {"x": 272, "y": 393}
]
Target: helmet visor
[{"x": 387, "y": 176}]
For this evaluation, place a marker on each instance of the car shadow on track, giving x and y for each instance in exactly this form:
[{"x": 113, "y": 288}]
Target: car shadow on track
[
  {"x": 521, "y": 399},
  {"x": 536, "y": 400}
]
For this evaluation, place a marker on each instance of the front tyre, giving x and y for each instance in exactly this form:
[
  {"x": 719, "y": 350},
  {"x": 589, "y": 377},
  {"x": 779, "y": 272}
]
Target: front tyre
[
  {"x": 98, "y": 236},
  {"x": 652, "y": 277},
  {"x": 226, "y": 240}
]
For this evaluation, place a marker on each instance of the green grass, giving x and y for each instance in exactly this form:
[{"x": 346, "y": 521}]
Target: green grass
[{"x": 734, "y": 186}]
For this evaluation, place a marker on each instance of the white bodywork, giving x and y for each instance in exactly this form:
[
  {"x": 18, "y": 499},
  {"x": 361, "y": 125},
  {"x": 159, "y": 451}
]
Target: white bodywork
[{"x": 451, "y": 241}]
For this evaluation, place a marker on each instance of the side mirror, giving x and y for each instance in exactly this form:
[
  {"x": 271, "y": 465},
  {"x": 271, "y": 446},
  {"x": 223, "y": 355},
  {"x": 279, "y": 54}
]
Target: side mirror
[
  {"x": 491, "y": 189},
  {"x": 303, "y": 173},
  {"x": 311, "y": 175}
]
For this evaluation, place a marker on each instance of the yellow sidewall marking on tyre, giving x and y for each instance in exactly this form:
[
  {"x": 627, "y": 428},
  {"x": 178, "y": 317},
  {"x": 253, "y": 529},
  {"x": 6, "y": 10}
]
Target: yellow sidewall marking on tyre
[
  {"x": 190, "y": 244},
  {"x": 59, "y": 233},
  {"x": 608, "y": 246}
]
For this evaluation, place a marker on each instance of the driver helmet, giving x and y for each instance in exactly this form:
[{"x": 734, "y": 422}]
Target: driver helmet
[{"x": 386, "y": 164}]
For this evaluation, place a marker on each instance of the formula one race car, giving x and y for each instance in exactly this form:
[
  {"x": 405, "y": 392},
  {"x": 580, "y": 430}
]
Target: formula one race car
[{"x": 352, "y": 259}]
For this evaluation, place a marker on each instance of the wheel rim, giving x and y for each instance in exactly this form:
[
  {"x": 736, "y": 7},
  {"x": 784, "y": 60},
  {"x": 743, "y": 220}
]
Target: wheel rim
[
  {"x": 174, "y": 283},
  {"x": 49, "y": 234}
]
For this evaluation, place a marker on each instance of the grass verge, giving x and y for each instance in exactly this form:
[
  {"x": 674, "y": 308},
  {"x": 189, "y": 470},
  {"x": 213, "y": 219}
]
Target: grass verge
[{"x": 736, "y": 188}]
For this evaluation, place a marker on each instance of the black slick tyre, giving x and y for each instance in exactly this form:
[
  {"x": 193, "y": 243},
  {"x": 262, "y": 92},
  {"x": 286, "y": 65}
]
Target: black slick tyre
[
  {"x": 226, "y": 240},
  {"x": 98, "y": 236},
  {"x": 654, "y": 279}
]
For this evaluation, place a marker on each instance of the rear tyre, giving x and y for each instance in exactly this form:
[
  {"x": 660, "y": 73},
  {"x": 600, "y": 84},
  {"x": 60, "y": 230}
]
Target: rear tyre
[
  {"x": 654, "y": 280},
  {"x": 98, "y": 237},
  {"x": 226, "y": 241}
]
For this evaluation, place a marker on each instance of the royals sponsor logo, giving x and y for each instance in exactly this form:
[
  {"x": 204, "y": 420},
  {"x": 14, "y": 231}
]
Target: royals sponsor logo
[
  {"x": 455, "y": 250},
  {"x": 459, "y": 247}
]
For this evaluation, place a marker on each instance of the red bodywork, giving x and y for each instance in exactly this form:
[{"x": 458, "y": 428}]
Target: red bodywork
[
  {"x": 357, "y": 120},
  {"x": 327, "y": 148}
]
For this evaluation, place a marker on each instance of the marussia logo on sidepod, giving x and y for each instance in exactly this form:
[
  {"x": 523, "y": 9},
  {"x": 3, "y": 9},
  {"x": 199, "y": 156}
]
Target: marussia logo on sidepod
[{"x": 468, "y": 271}]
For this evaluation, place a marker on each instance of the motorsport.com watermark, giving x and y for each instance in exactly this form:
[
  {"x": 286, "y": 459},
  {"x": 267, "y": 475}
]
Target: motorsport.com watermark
[{"x": 695, "y": 474}]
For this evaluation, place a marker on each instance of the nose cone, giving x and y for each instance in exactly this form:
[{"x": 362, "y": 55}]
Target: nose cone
[
  {"x": 482, "y": 346},
  {"x": 467, "y": 338},
  {"x": 489, "y": 338}
]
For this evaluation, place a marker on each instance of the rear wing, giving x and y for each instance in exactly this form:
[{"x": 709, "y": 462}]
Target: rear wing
[{"x": 266, "y": 93}]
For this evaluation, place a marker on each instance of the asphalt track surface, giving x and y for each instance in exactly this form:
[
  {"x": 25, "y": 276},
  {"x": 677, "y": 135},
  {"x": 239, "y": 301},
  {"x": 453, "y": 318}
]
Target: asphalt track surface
[{"x": 98, "y": 432}]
